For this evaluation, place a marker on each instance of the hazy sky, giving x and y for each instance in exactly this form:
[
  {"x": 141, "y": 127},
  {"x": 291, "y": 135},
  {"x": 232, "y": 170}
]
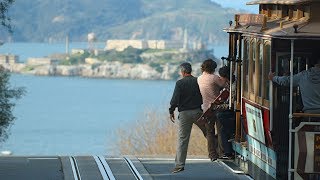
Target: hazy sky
[{"x": 238, "y": 4}]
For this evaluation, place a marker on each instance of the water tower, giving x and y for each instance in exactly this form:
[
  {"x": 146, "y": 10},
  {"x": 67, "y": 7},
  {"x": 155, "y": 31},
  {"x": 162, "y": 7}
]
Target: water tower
[{"x": 91, "y": 40}]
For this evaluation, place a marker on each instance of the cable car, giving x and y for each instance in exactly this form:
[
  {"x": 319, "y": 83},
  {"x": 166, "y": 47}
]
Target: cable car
[{"x": 274, "y": 139}]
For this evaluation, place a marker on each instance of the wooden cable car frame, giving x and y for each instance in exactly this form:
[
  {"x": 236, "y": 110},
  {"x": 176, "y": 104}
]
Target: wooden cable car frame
[{"x": 256, "y": 43}]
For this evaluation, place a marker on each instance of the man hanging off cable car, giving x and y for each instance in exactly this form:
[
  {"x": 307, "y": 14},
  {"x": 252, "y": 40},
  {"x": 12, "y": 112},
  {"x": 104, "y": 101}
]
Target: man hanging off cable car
[{"x": 309, "y": 83}]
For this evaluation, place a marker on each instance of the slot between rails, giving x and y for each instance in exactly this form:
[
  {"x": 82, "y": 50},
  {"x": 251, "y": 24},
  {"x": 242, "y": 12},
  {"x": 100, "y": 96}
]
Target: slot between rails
[
  {"x": 104, "y": 168},
  {"x": 133, "y": 169},
  {"x": 75, "y": 168}
]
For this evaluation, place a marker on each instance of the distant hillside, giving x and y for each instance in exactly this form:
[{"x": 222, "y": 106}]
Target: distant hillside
[{"x": 52, "y": 20}]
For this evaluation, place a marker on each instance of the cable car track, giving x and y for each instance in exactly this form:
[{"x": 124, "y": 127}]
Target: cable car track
[
  {"x": 133, "y": 169},
  {"x": 75, "y": 168},
  {"x": 104, "y": 168}
]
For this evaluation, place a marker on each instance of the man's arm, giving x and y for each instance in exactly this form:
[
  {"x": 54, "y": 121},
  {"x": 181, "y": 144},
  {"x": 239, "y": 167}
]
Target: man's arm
[
  {"x": 175, "y": 99},
  {"x": 174, "y": 102},
  {"x": 221, "y": 82},
  {"x": 285, "y": 80}
]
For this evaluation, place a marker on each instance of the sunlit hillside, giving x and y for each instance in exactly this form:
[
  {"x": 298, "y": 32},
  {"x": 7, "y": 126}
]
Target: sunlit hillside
[{"x": 53, "y": 20}]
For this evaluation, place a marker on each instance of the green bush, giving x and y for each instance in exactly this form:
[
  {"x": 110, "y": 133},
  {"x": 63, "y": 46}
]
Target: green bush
[
  {"x": 7, "y": 95},
  {"x": 28, "y": 68},
  {"x": 75, "y": 59},
  {"x": 156, "y": 66},
  {"x": 128, "y": 55}
]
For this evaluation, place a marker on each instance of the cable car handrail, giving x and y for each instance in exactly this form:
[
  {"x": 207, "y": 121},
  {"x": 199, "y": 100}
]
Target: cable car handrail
[{"x": 305, "y": 115}]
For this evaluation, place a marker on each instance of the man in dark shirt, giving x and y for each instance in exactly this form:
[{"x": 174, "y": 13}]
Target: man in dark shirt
[{"x": 188, "y": 99}]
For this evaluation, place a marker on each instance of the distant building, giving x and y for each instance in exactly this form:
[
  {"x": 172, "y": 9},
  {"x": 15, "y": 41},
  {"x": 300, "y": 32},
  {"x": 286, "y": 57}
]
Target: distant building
[
  {"x": 77, "y": 51},
  {"x": 9, "y": 59},
  {"x": 41, "y": 61},
  {"x": 91, "y": 60},
  {"x": 120, "y": 45}
]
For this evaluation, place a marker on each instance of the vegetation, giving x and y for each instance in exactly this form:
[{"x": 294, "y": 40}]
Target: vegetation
[
  {"x": 128, "y": 55},
  {"x": 7, "y": 95},
  {"x": 28, "y": 68},
  {"x": 156, "y": 66},
  {"x": 75, "y": 59},
  {"x": 4, "y": 18},
  {"x": 156, "y": 135},
  {"x": 53, "y": 20}
]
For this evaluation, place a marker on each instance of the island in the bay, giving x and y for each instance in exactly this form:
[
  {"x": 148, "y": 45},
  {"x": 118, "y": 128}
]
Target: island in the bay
[{"x": 120, "y": 59}]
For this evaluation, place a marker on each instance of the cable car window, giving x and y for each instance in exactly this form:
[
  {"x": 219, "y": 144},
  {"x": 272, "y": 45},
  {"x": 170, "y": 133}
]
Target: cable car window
[
  {"x": 274, "y": 11},
  {"x": 295, "y": 12},
  {"x": 285, "y": 11},
  {"x": 290, "y": 12},
  {"x": 267, "y": 67},
  {"x": 306, "y": 11},
  {"x": 252, "y": 70},
  {"x": 245, "y": 67},
  {"x": 283, "y": 69}
]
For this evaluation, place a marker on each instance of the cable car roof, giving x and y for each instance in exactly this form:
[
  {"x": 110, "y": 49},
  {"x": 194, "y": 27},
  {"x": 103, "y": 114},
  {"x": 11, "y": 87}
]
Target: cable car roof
[
  {"x": 286, "y": 2},
  {"x": 304, "y": 29}
]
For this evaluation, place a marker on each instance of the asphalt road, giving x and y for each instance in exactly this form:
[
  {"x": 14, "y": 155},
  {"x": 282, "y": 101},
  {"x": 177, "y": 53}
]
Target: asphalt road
[{"x": 104, "y": 167}]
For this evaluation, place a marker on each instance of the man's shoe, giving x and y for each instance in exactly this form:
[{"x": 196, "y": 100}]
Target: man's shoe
[
  {"x": 227, "y": 156},
  {"x": 177, "y": 169},
  {"x": 213, "y": 159}
]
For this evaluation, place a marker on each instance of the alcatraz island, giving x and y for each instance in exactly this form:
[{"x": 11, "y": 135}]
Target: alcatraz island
[{"x": 120, "y": 59}]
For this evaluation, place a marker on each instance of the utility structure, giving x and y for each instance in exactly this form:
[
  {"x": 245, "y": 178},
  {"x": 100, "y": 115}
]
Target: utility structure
[{"x": 91, "y": 41}]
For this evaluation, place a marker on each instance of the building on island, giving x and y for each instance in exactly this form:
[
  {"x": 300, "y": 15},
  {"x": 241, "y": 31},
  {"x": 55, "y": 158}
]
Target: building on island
[
  {"x": 120, "y": 45},
  {"x": 41, "y": 61},
  {"x": 8, "y": 59}
]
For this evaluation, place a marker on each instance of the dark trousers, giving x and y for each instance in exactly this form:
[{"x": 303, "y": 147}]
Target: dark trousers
[{"x": 226, "y": 122}]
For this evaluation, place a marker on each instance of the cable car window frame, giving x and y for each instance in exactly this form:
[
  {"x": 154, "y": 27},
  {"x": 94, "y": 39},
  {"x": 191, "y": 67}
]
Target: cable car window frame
[
  {"x": 267, "y": 68},
  {"x": 257, "y": 80},
  {"x": 257, "y": 76},
  {"x": 245, "y": 67},
  {"x": 296, "y": 64},
  {"x": 251, "y": 64}
]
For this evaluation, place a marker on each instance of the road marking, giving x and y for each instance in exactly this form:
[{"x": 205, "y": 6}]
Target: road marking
[{"x": 41, "y": 158}]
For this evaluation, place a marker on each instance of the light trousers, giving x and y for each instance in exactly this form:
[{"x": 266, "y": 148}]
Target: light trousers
[{"x": 184, "y": 122}]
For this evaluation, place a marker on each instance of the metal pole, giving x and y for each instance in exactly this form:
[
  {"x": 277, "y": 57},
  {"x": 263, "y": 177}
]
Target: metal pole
[
  {"x": 232, "y": 55},
  {"x": 271, "y": 88},
  {"x": 239, "y": 91},
  {"x": 290, "y": 110},
  {"x": 67, "y": 45}
]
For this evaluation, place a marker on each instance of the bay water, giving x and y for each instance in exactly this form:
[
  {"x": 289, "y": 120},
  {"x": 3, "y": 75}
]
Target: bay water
[{"x": 74, "y": 115}]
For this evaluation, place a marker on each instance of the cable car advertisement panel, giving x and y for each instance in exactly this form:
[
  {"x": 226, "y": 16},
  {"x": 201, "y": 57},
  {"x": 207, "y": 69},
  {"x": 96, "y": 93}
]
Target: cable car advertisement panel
[
  {"x": 307, "y": 149},
  {"x": 255, "y": 122}
]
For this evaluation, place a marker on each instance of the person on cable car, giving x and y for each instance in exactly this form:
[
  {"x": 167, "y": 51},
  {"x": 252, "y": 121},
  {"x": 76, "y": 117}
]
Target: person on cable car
[
  {"x": 226, "y": 117},
  {"x": 210, "y": 86},
  {"x": 309, "y": 83}
]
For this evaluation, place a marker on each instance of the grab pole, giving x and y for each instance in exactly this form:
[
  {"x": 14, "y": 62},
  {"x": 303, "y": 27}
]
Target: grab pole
[{"x": 290, "y": 111}]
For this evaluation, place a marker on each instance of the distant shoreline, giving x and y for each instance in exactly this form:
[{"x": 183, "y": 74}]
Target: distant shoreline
[{"x": 107, "y": 70}]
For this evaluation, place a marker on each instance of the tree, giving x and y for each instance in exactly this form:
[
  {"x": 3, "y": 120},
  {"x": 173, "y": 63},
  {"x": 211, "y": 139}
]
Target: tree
[
  {"x": 7, "y": 94},
  {"x": 4, "y": 19}
]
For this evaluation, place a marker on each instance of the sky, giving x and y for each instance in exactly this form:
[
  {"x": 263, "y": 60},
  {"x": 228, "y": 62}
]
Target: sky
[{"x": 238, "y": 4}]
